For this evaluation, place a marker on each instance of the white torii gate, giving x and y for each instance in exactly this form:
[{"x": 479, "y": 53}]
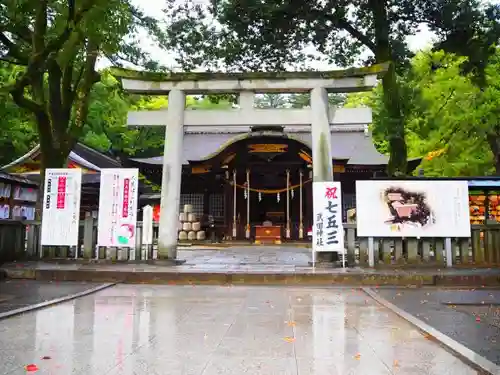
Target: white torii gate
[{"x": 319, "y": 116}]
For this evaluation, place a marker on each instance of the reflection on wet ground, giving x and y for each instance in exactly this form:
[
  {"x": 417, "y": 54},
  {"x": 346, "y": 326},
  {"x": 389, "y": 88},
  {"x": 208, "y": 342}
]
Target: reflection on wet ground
[{"x": 134, "y": 330}]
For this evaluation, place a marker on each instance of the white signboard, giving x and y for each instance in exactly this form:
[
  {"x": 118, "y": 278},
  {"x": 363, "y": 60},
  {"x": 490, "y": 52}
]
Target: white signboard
[
  {"x": 61, "y": 207},
  {"x": 328, "y": 232},
  {"x": 117, "y": 219},
  {"x": 147, "y": 225},
  {"x": 412, "y": 209}
]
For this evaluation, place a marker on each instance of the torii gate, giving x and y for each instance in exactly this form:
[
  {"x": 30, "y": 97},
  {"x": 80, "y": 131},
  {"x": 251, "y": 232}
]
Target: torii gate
[{"x": 177, "y": 85}]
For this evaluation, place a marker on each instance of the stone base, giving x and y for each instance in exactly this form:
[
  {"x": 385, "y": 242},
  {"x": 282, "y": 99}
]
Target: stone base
[
  {"x": 328, "y": 260},
  {"x": 165, "y": 262}
]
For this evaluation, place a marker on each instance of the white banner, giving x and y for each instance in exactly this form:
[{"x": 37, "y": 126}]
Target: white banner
[
  {"x": 412, "y": 209},
  {"x": 117, "y": 220},
  {"x": 328, "y": 231},
  {"x": 147, "y": 225},
  {"x": 61, "y": 207}
]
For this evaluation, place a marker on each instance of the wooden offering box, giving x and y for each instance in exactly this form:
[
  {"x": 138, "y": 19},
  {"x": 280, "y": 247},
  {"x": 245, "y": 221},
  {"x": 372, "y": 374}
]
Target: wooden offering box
[{"x": 268, "y": 234}]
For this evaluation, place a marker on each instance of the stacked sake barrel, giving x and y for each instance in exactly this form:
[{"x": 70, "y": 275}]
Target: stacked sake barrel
[{"x": 189, "y": 225}]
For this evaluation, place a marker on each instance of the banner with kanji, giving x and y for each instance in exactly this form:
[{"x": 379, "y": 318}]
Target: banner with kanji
[
  {"x": 61, "y": 207},
  {"x": 117, "y": 221},
  {"x": 328, "y": 232}
]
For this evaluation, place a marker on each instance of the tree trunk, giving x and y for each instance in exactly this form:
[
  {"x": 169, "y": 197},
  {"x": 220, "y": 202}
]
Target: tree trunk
[
  {"x": 494, "y": 142},
  {"x": 394, "y": 127}
]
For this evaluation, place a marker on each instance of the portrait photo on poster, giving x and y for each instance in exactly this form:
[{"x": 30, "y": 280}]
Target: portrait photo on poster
[{"x": 406, "y": 208}]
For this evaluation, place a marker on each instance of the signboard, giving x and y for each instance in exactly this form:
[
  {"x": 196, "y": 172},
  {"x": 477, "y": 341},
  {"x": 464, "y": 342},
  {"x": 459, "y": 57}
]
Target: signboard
[
  {"x": 117, "y": 220},
  {"x": 412, "y": 209},
  {"x": 328, "y": 232},
  {"x": 61, "y": 207}
]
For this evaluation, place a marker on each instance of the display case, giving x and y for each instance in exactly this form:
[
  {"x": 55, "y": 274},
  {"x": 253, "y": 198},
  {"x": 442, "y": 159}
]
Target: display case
[{"x": 18, "y": 198}]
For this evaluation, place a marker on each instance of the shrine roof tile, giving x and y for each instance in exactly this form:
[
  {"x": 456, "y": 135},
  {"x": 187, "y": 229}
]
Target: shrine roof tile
[{"x": 358, "y": 147}]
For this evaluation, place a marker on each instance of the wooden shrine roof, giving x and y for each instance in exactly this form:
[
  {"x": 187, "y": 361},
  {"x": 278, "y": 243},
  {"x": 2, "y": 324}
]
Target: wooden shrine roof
[
  {"x": 81, "y": 156},
  {"x": 356, "y": 147}
]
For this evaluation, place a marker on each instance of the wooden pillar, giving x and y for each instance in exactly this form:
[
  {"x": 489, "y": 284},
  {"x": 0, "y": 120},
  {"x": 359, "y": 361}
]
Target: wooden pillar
[
  {"x": 288, "y": 204},
  {"x": 234, "y": 204},
  {"x": 301, "y": 208},
  {"x": 247, "y": 231}
]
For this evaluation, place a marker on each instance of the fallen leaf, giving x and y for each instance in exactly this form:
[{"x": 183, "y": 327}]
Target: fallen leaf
[
  {"x": 396, "y": 364},
  {"x": 427, "y": 336},
  {"x": 357, "y": 356},
  {"x": 31, "y": 368},
  {"x": 289, "y": 339},
  {"x": 291, "y": 324},
  {"x": 45, "y": 357}
]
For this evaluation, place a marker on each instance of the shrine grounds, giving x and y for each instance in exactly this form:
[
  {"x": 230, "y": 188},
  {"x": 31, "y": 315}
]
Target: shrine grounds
[{"x": 229, "y": 329}]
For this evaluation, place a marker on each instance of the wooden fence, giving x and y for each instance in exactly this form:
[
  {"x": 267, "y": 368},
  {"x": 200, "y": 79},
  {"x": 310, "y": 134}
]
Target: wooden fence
[{"x": 482, "y": 249}]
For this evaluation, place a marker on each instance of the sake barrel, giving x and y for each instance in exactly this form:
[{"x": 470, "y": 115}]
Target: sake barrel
[
  {"x": 200, "y": 235},
  {"x": 186, "y": 226},
  {"x": 188, "y": 208},
  {"x": 191, "y": 236},
  {"x": 191, "y": 217},
  {"x": 183, "y": 236},
  {"x": 182, "y": 216},
  {"x": 196, "y": 226}
]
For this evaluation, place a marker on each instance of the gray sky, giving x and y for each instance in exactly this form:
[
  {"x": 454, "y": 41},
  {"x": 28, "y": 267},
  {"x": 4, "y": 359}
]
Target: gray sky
[{"x": 154, "y": 8}]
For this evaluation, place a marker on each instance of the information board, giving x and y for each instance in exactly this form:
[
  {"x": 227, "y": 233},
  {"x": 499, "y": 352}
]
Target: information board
[
  {"x": 117, "y": 219},
  {"x": 412, "y": 209},
  {"x": 328, "y": 231},
  {"x": 61, "y": 207}
]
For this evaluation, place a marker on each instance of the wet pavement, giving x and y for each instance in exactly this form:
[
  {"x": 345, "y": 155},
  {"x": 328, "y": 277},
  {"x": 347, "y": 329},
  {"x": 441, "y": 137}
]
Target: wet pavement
[
  {"x": 15, "y": 294},
  {"x": 193, "y": 330},
  {"x": 469, "y": 316}
]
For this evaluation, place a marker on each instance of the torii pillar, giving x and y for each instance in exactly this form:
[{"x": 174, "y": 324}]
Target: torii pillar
[{"x": 171, "y": 176}]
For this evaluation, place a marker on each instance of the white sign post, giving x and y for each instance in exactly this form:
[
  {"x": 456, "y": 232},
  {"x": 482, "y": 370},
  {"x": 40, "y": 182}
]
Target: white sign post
[
  {"x": 328, "y": 231},
  {"x": 117, "y": 220},
  {"x": 147, "y": 229},
  {"x": 61, "y": 208}
]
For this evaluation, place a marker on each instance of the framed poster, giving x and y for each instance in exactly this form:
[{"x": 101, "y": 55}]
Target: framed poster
[
  {"x": 61, "y": 207},
  {"x": 412, "y": 209},
  {"x": 117, "y": 219},
  {"x": 328, "y": 232}
]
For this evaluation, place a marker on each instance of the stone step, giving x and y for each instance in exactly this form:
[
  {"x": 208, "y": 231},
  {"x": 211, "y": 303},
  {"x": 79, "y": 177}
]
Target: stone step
[{"x": 353, "y": 278}]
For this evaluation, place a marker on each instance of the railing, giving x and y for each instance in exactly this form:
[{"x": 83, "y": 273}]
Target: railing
[{"x": 482, "y": 249}]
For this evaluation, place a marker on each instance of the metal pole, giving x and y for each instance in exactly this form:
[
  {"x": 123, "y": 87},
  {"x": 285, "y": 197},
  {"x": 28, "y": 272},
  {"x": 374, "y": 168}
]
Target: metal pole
[
  {"x": 234, "y": 204},
  {"x": 247, "y": 232},
  {"x": 301, "y": 223},
  {"x": 287, "y": 203}
]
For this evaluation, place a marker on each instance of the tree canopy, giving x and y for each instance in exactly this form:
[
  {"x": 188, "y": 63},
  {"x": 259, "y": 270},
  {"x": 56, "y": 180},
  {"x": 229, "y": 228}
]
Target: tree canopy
[
  {"x": 448, "y": 118},
  {"x": 270, "y": 35},
  {"x": 54, "y": 47}
]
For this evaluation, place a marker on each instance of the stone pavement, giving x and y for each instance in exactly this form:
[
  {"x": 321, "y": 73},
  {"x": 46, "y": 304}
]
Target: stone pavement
[
  {"x": 245, "y": 265},
  {"x": 471, "y": 316},
  {"x": 208, "y": 330},
  {"x": 15, "y": 294}
]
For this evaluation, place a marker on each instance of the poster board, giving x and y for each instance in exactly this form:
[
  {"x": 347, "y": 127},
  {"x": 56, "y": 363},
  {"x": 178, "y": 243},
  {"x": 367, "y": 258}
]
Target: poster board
[
  {"x": 61, "y": 207},
  {"x": 328, "y": 231},
  {"x": 117, "y": 219},
  {"x": 412, "y": 209}
]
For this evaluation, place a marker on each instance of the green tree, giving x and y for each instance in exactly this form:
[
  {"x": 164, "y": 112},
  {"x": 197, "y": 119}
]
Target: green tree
[
  {"x": 18, "y": 135},
  {"x": 270, "y": 35},
  {"x": 57, "y": 44},
  {"x": 448, "y": 119}
]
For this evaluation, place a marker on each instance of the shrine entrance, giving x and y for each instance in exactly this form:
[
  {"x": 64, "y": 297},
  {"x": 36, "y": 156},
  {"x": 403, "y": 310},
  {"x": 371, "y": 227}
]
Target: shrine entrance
[{"x": 267, "y": 187}]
